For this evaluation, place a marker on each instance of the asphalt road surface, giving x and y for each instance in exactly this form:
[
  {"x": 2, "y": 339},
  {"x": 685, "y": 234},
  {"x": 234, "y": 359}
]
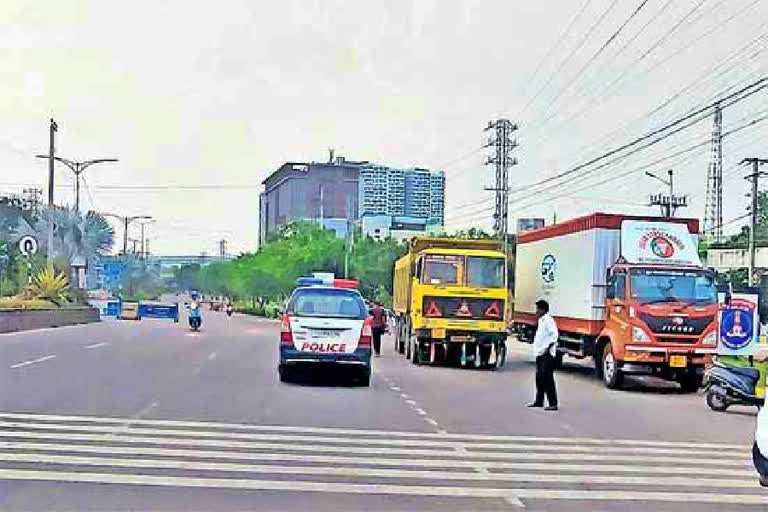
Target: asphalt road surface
[{"x": 146, "y": 415}]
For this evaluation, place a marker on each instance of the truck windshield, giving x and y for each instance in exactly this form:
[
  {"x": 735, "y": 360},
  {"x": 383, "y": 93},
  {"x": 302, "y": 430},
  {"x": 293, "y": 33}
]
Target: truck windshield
[
  {"x": 485, "y": 272},
  {"x": 691, "y": 287},
  {"x": 443, "y": 269}
]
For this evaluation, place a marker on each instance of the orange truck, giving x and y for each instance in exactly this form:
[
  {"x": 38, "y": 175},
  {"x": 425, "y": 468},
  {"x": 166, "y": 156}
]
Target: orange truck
[{"x": 628, "y": 291}]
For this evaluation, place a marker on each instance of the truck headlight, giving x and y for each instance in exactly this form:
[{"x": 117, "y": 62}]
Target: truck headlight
[
  {"x": 710, "y": 339},
  {"x": 639, "y": 335}
]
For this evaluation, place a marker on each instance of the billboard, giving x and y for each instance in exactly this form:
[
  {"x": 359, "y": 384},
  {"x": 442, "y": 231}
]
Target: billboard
[
  {"x": 658, "y": 243},
  {"x": 529, "y": 224},
  {"x": 739, "y": 326}
]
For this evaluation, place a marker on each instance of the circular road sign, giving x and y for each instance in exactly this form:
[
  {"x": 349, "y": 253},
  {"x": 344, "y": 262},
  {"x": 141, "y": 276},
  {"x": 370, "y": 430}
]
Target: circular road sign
[{"x": 28, "y": 245}]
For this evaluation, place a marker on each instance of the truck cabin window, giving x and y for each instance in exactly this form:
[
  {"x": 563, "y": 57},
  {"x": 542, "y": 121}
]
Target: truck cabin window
[
  {"x": 651, "y": 286},
  {"x": 442, "y": 269},
  {"x": 485, "y": 272}
]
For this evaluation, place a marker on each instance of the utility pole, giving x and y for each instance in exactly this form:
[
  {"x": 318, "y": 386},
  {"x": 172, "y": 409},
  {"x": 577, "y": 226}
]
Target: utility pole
[
  {"x": 52, "y": 129},
  {"x": 713, "y": 210},
  {"x": 754, "y": 177},
  {"x": 77, "y": 168},
  {"x": 502, "y": 161},
  {"x": 222, "y": 248},
  {"x": 143, "y": 252},
  {"x": 126, "y": 220},
  {"x": 135, "y": 242},
  {"x": 668, "y": 203}
]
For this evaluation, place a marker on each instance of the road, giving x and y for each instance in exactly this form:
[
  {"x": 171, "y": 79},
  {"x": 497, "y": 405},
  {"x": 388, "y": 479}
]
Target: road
[{"x": 149, "y": 416}]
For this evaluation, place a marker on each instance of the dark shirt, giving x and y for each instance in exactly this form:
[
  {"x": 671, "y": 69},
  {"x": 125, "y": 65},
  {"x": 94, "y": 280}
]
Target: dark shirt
[{"x": 379, "y": 317}]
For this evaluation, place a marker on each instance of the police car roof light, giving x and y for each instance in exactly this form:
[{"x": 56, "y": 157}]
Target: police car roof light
[
  {"x": 309, "y": 281},
  {"x": 345, "y": 283}
]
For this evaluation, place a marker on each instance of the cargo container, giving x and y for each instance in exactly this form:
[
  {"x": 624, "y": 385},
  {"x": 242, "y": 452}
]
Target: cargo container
[{"x": 628, "y": 291}]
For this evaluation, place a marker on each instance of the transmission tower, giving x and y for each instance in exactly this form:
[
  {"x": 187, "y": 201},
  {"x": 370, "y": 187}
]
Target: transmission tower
[
  {"x": 713, "y": 212},
  {"x": 503, "y": 144}
]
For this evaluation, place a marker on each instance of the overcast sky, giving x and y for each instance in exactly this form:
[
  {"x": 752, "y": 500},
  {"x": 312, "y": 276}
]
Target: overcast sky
[{"x": 221, "y": 93}]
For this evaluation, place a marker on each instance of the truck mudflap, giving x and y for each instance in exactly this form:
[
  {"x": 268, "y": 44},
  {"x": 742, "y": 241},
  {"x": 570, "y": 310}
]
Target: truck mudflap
[{"x": 468, "y": 350}]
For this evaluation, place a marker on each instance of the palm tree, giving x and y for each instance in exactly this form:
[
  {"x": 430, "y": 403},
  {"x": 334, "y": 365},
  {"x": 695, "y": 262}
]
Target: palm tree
[{"x": 77, "y": 239}]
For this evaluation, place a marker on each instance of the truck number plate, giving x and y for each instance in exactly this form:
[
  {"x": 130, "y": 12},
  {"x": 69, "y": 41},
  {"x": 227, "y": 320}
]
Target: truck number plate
[{"x": 678, "y": 361}]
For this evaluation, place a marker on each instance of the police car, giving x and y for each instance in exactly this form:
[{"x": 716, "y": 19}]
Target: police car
[{"x": 325, "y": 322}]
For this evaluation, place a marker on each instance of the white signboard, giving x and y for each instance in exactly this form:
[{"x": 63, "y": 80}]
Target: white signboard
[
  {"x": 28, "y": 245},
  {"x": 658, "y": 243},
  {"x": 739, "y": 326}
]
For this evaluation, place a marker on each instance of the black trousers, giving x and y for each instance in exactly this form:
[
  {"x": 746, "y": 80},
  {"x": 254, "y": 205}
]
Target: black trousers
[
  {"x": 545, "y": 379},
  {"x": 377, "y": 332}
]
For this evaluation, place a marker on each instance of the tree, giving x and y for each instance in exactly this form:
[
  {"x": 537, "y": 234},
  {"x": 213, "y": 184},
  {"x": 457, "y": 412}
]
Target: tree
[{"x": 761, "y": 229}]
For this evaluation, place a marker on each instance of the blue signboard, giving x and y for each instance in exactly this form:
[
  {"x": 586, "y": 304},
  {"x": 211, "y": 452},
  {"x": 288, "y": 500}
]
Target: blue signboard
[
  {"x": 739, "y": 326},
  {"x": 154, "y": 310}
]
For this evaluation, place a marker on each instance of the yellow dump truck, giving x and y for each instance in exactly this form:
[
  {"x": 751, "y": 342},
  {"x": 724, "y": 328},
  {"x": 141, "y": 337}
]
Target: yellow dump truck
[{"x": 450, "y": 302}]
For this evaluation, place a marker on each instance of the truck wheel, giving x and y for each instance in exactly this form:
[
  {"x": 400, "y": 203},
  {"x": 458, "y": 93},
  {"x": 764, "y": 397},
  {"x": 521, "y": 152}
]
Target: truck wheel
[
  {"x": 612, "y": 376},
  {"x": 690, "y": 383},
  {"x": 416, "y": 353},
  {"x": 717, "y": 399}
]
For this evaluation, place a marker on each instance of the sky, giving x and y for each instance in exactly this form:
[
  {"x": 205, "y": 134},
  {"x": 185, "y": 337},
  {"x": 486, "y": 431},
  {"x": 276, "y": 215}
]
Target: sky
[{"x": 201, "y": 101}]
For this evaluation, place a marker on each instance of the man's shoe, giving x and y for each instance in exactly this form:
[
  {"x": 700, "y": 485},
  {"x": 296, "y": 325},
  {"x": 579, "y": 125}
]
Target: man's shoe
[
  {"x": 551, "y": 408},
  {"x": 534, "y": 404}
]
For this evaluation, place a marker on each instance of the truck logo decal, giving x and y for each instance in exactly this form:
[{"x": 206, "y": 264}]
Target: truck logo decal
[
  {"x": 464, "y": 310},
  {"x": 548, "y": 268}
]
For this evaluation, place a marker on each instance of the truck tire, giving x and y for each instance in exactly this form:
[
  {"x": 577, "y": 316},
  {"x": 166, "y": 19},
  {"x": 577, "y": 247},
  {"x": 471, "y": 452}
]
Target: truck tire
[
  {"x": 690, "y": 383},
  {"x": 416, "y": 353},
  {"x": 612, "y": 376}
]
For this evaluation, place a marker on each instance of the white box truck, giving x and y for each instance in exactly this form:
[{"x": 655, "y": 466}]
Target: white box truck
[{"x": 628, "y": 291}]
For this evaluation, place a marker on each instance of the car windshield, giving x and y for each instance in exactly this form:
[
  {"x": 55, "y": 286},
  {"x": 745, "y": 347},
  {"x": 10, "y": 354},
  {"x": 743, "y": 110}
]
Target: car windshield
[
  {"x": 485, "y": 272},
  {"x": 324, "y": 302},
  {"x": 650, "y": 286}
]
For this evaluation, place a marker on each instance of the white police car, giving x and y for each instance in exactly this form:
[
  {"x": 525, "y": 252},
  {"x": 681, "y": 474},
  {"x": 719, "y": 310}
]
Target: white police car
[{"x": 325, "y": 323}]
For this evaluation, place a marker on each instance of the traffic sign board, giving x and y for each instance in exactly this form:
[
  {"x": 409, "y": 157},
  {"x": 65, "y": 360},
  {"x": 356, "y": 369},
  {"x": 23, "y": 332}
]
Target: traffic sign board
[{"x": 28, "y": 245}]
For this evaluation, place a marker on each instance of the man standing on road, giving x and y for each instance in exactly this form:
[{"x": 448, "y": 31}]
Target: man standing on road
[
  {"x": 545, "y": 348},
  {"x": 378, "y": 325}
]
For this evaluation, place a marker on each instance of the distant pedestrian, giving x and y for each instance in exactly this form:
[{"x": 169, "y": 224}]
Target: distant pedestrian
[
  {"x": 378, "y": 325},
  {"x": 545, "y": 349}
]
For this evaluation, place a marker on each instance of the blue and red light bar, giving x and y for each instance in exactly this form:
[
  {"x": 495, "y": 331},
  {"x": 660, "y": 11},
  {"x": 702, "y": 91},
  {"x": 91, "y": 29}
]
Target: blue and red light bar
[
  {"x": 345, "y": 283},
  {"x": 336, "y": 283}
]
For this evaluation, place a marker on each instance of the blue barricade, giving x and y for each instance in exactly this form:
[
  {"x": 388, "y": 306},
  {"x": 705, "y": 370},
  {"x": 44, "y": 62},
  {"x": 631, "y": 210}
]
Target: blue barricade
[{"x": 155, "y": 310}]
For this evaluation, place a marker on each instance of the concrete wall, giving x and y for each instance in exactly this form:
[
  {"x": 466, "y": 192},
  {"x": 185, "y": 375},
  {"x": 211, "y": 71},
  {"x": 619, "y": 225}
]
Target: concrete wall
[{"x": 20, "y": 320}]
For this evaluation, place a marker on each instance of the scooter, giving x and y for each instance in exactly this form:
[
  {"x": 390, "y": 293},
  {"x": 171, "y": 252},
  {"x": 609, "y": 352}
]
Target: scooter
[
  {"x": 229, "y": 310},
  {"x": 731, "y": 385},
  {"x": 195, "y": 316}
]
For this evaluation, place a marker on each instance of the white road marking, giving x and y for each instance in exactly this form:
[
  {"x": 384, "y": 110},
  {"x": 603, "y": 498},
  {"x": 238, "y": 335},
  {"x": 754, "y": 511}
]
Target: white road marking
[
  {"x": 489, "y": 449},
  {"x": 384, "y": 450},
  {"x": 33, "y": 361},
  {"x": 411, "y": 402},
  {"x": 514, "y": 501},
  {"x": 338, "y": 460},
  {"x": 403, "y": 395},
  {"x": 388, "y": 489},
  {"x": 377, "y": 472},
  {"x": 97, "y": 345},
  {"x": 126, "y": 426},
  {"x": 442, "y": 432},
  {"x": 406, "y": 434},
  {"x": 431, "y": 421},
  {"x": 212, "y": 356},
  {"x": 395, "y": 388},
  {"x": 422, "y": 412}
]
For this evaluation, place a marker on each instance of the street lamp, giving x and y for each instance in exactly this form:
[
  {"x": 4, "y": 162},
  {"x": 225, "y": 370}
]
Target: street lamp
[
  {"x": 668, "y": 183},
  {"x": 126, "y": 220},
  {"x": 78, "y": 167},
  {"x": 143, "y": 251}
]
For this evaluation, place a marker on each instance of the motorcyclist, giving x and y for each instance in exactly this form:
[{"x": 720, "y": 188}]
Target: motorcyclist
[
  {"x": 760, "y": 448},
  {"x": 195, "y": 313}
]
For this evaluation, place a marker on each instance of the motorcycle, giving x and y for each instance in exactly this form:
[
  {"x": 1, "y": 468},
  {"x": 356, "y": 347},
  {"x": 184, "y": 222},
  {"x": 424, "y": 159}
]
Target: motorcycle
[
  {"x": 731, "y": 385},
  {"x": 195, "y": 316},
  {"x": 229, "y": 310}
]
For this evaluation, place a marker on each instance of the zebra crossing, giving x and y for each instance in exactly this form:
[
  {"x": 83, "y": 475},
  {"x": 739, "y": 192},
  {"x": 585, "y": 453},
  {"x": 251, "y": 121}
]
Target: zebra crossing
[{"x": 175, "y": 453}]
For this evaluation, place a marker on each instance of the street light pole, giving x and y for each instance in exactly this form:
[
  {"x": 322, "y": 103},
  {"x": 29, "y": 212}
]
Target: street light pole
[
  {"x": 143, "y": 251},
  {"x": 126, "y": 220},
  {"x": 78, "y": 168}
]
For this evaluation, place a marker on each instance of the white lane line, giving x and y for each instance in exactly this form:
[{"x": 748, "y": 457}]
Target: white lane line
[
  {"x": 338, "y": 460},
  {"x": 442, "y": 432},
  {"x": 97, "y": 345},
  {"x": 277, "y": 438},
  {"x": 33, "y": 361},
  {"x": 411, "y": 402},
  {"x": 395, "y": 388},
  {"x": 389, "y": 489},
  {"x": 431, "y": 421},
  {"x": 422, "y": 412},
  {"x": 403, "y": 395},
  {"x": 379, "y": 472},
  {"x": 212, "y": 356},
  {"x": 405, "y": 434},
  {"x": 126, "y": 426},
  {"x": 367, "y": 450}
]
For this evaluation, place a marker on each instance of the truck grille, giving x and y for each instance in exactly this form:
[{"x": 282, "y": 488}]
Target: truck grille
[
  {"x": 461, "y": 308},
  {"x": 676, "y": 325},
  {"x": 678, "y": 340}
]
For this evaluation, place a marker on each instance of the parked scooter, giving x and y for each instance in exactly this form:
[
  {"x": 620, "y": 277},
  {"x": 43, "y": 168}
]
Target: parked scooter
[
  {"x": 727, "y": 385},
  {"x": 195, "y": 316}
]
